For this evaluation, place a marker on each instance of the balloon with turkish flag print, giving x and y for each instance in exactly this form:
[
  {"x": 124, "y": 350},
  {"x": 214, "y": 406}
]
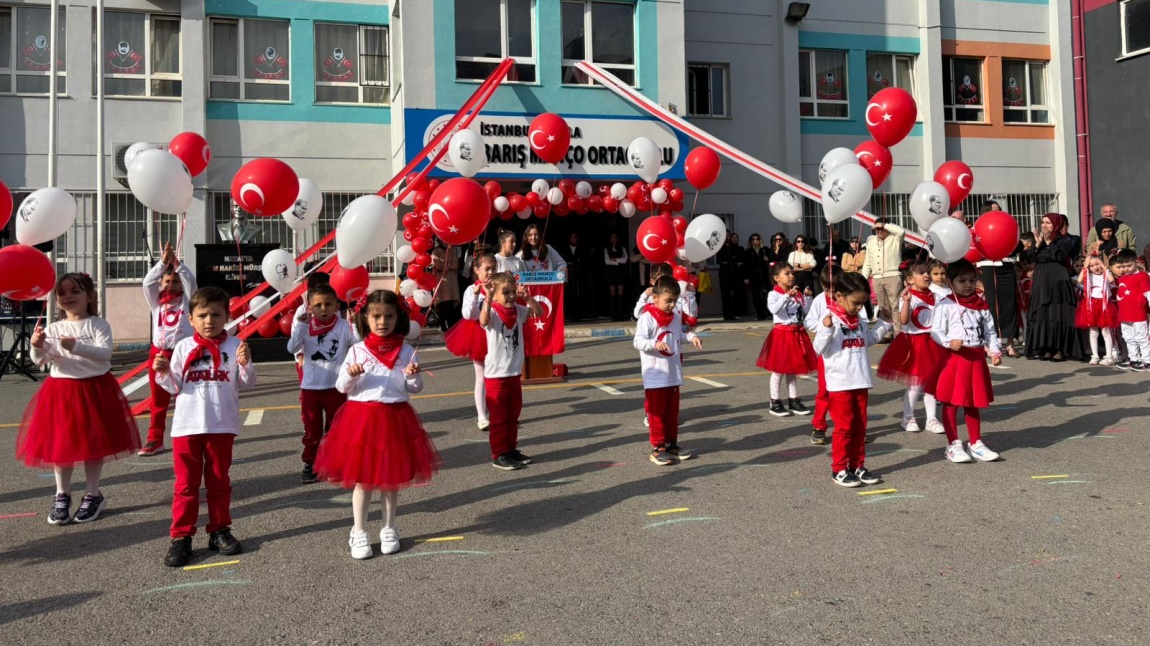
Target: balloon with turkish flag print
[
  {"x": 957, "y": 178},
  {"x": 26, "y": 273},
  {"x": 458, "y": 210},
  {"x": 5, "y": 205},
  {"x": 549, "y": 137},
  {"x": 350, "y": 284},
  {"x": 702, "y": 167},
  {"x": 265, "y": 187},
  {"x": 656, "y": 239},
  {"x": 890, "y": 115},
  {"x": 680, "y": 272},
  {"x": 269, "y": 328},
  {"x": 193, "y": 150},
  {"x": 876, "y": 159},
  {"x": 973, "y": 255}
]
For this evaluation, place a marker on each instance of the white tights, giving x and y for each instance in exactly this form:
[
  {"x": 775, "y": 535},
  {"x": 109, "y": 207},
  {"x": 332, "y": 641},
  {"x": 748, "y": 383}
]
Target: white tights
[
  {"x": 480, "y": 393},
  {"x": 792, "y": 385},
  {"x": 1107, "y": 338},
  {"x": 928, "y": 402},
  {"x": 92, "y": 471},
  {"x": 361, "y": 504}
]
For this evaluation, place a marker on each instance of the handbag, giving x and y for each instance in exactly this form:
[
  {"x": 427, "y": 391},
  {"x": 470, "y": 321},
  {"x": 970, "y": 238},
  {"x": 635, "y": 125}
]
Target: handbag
[{"x": 705, "y": 285}]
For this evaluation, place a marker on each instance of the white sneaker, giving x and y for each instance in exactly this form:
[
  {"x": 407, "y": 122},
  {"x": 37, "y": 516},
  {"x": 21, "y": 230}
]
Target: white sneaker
[
  {"x": 935, "y": 426},
  {"x": 1093, "y": 361},
  {"x": 982, "y": 452},
  {"x": 389, "y": 540},
  {"x": 483, "y": 425},
  {"x": 1106, "y": 361},
  {"x": 360, "y": 547},
  {"x": 646, "y": 421},
  {"x": 955, "y": 453},
  {"x": 911, "y": 426}
]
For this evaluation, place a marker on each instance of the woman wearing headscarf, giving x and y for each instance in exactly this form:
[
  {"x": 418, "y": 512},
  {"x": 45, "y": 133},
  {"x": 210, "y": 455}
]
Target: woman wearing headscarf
[{"x": 1050, "y": 331}]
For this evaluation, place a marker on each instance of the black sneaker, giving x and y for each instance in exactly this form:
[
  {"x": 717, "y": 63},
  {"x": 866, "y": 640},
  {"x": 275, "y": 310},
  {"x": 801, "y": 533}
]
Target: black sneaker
[
  {"x": 866, "y": 477},
  {"x": 90, "y": 508},
  {"x": 222, "y": 541},
  {"x": 797, "y": 408},
  {"x": 1123, "y": 365},
  {"x": 519, "y": 457},
  {"x": 1137, "y": 366},
  {"x": 179, "y": 552},
  {"x": 845, "y": 478},
  {"x": 778, "y": 410},
  {"x": 61, "y": 513},
  {"x": 506, "y": 463},
  {"x": 308, "y": 476},
  {"x": 679, "y": 453},
  {"x": 818, "y": 437},
  {"x": 661, "y": 457}
]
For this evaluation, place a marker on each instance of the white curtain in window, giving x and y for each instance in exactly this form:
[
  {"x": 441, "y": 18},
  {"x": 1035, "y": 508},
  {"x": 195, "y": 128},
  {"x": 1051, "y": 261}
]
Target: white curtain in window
[
  {"x": 337, "y": 53},
  {"x": 166, "y": 45},
  {"x": 225, "y": 43},
  {"x": 33, "y": 29},
  {"x": 266, "y": 50},
  {"x": 124, "y": 43}
]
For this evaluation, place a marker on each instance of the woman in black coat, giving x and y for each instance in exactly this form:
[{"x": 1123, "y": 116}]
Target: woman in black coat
[
  {"x": 1050, "y": 331},
  {"x": 757, "y": 266}
]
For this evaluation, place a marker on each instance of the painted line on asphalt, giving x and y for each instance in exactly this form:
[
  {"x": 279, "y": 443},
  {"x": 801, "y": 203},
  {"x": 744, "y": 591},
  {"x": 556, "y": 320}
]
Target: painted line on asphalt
[
  {"x": 876, "y": 492},
  {"x": 205, "y": 566},
  {"x": 607, "y": 389},
  {"x": 198, "y": 584},
  {"x": 441, "y": 553},
  {"x": 24, "y": 515},
  {"x": 1049, "y": 477},
  {"x": 677, "y": 510},
  {"x": 871, "y": 501},
  {"x": 708, "y": 382},
  {"x": 675, "y": 521},
  {"x": 440, "y": 539},
  {"x": 255, "y": 417}
]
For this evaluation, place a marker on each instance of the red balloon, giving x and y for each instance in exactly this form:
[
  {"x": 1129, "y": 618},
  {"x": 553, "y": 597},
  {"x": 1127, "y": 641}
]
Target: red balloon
[
  {"x": 517, "y": 201},
  {"x": 420, "y": 200},
  {"x": 670, "y": 217},
  {"x": 890, "y": 116},
  {"x": 561, "y": 209},
  {"x": 421, "y": 245},
  {"x": 634, "y": 194},
  {"x": 702, "y": 167},
  {"x": 644, "y": 204},
  {"x": 680, "y": 272},
  {"x": 493, "y": 189},
  {"x": 265, "y": 186},
  {"x": 574, "y": 202},
  {"x": 414, "y": 272},
  {"x": 235, "y": 309},
  {"x": 268, "y": 328},
  {"x": 610, "y": 204},
  {"x": 425, "y": 231},
  {"x": 350, "y": 284},
  {"x": 414, "y": 181},
  {"x": 243, "y": 324},
  {"x": 604, "y": 190},
  {"x": 542, "y": 209},
  {"x": 675, "y": 195},
  {"x": 644, "y": 187},
  {"x": 973, "y": 255},
  {"x": 656, "y": 239},
  {"x": 426, "y": 281},
  {"x": 422, "y": 260},
  {"x": 458, "y": 211},
  {"x": 506, "y": 215},
  {"x": 567, "y": 186},
  {"x": 680, "y": 224},
  {"x": 5, "y": 205},
  {"x": 26, "y": 273},
  {"x": 876, "y": 159},
  {"x": 677, "y": 205},
  {"x": 958, "y": 180},
  {"x": 193, "y": 150},
  {"x": 409, "y": 235},
  {"x": 582, "y": 210},
  {"x": 432, "y": 185},
  {"x": 549, "y": 137},
  {"x": 680, "y": 240},
  {"x": 532, "y": 199},
  {"x": 410, "y": 220},
  {"x": 995, "y": 234},
  {"x": 665, "y": 184},
  {"x": 595, "y": 203},
  {"x": 693, "y": 280},
  {"x": 285, "y": 323}
]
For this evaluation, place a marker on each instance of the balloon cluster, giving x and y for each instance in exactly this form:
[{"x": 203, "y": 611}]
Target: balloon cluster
[
  {"x": 568, "y": 197},
  {"x": 949, "y": 239},
  {"x": 251, "y": 311},
  {"x": 162, "y": 179}
]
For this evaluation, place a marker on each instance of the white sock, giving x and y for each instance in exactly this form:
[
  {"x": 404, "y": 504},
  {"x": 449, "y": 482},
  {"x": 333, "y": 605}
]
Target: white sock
[
  {"x": 480, "y": 393},
  {"x": 390, "y": 503},
  {"x": 931, "y": 406},
  {"x": 92, "y": 471},
  {"x": 1094, "y": 343},
  {"x": 912, "y": 393},
  {"x": 1108, "y": 339},
  {"x": 792, "y": 387},
  {"x": 775, "y": 379},
  {"x": 360, "y": 504},
  {"x": 63, "y": 480}
]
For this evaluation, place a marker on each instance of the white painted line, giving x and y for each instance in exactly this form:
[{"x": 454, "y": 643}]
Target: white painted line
[
  {"x": 607, "y": 389},
  {"x": 713, "y": 384},
  {"x": 254, "y": 417},
  {"x": 136, "y": 385},
  {"x": 808, "y": 378}
]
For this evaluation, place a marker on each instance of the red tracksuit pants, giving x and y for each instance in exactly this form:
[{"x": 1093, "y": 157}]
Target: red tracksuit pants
[
  {"x": 161, "y": 399},
  {"x": 197, "y": 458},
  {"x": 317, "y": 408},
  {"x": 822, "y": 400},
  {"x": 848, "y": 443},
  {"x": 504, "y": 398},
  {"x": 662, "y": 406}
]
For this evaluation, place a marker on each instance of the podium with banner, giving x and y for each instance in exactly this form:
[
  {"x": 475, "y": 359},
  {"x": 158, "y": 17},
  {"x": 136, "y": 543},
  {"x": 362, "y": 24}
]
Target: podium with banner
[{"x": 543, "y": 337}]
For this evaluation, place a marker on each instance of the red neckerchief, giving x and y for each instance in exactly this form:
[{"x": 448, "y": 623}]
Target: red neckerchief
[
  {"x": 315, "y": 328},
  {"x": 482, "y": 291},
  {"x": 506, "y": 314},
  {"x": 780, "y": 290},
  {"x": 926, "y": 297},
  {"x": 973, "y": 302},
  {"x": 211, "y": 346},
  {"x": 852, "y": 320},
  {"x": 384, "y": 348},
  {"x": 170, "y": 297},
  {"x": 663, "y": 319}
]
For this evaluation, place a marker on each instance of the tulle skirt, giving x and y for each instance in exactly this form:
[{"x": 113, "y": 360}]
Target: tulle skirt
[
  {"x": 788, "y": 351},
  {"x": 965, "y": 379},
  {"x": 1094, "y": 312},
  {"x": 75, "y": 420},
  {"x": 467, "y": 339},
  {"x": 912, "y": 359},
  {"x": 379, "y": 446}
]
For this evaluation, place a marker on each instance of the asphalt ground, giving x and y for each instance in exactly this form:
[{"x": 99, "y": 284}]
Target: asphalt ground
[{"x": 767, "y": 550}]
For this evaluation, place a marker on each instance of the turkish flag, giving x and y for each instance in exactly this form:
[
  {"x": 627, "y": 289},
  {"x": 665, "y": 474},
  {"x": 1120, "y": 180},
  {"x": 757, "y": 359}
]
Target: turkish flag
[{"x": 543, "y": 336}]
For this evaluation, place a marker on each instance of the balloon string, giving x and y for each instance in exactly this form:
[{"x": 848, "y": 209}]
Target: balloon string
[
  {"x": 434, "y": 294},
  {"x": 180, "y": 237},
  {"x": 694, "y": 203}
]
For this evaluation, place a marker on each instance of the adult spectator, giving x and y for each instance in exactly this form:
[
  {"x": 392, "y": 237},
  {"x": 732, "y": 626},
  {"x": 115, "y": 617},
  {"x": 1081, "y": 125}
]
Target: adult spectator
[
  {"x": 883, "y": 256},
  {"x": 757, "y": 264},
  {"x": 445, "y": 269},
  {"x": 615, "y": 261},
  {"x": 836, "y": 248},
  {"x": 779, "y": 250},
  {"x": 730, "y": 259},
  {"x": 1050, "y": 331},
  {"x": 580, "y": 270},
  {"x": 803, "y": 263},
  {"x": 1123, "y": 233},
  {"x": 537, "y": 254},
  {"x": 1000, "y": 286},
  {"x": 854, "y": 257}
]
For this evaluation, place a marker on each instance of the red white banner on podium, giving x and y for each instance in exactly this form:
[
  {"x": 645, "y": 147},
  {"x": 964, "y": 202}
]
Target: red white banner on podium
[{"x": 543, "y": 336}]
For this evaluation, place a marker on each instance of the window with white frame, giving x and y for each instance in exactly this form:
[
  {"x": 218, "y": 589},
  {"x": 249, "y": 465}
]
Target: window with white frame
[
  {"x": 250, "y": 60},
  {"x": 602, "y": 33},
  {"x": 889, "y": 70},
  {"x": 26, "y": 51},
  {"x": 1135, "y": 23},
  {"x": 962, "y": 91},
  {"x": 141, "y": 54},
  {"x": 707, "y": 90},
  {"x": 351, "y": 64},
  {"x": 488, "y": 31},
  {"x": 823, "y": 84},
  {"x": 1024, "y": 92}
]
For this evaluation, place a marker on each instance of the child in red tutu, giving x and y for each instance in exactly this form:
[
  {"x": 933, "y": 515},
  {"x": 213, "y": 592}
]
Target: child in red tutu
[
  {"x": 842, "y": 340},
  {"x": 167, "y": 287},
  {"x": 963, "y": 326},
  {"x": 205, "y": 374},
  {"x": 377, "y": 440},
  {"x": 323, "y": 338},
  {"x": 913, "y": 358},
  {"x": 787, "y": 352},
  {"x": 813, "y": 322},
  {"x": 466, "y": 339},
  {"x": 79, "y": 414},
  {"x": 1097, "y": 310}
]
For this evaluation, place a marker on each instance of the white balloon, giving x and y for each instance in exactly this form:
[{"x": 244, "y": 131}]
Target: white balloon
[
  {"x": 835, "y": 158},
  {"x": 948, "y": 239},
  {"x": 627, "y": 209},
  {"x": 408, "y": 287},
  {"x": 541, "y": 188},
  {"x": 643, "y": 155},
  {"x": 525, "y": 213},
  {"x": 136, "y": 149},
  {"x": 556, "y": 197},
  {"x": 848, "y": 188},
  {"x": 928, "y": 204},
  {"x": 681, "y": 254},
  {"x": 44, "y": 215},
  {"x": 280, "y": 270},
  {"x": 786, "y": 207},
  {"x": 682, "y": 286},
  {"x": 160, "y": 181},
  {"x": 658, "y": 195},
  {"x": 618, "y": 191},
  {"x": 258, "y": 306},
  {"x": 467, "y": 152},
  {"x": 414, "y": 331},
  {"x": 704, "y": 237},
  {"x": 405, "y": 254},
  {"x": 422, "y": 297},
  {"x": 501, "y": 204},
  {"x": 583, "y": 189},
  {"x": 408, "y": 199},
  {"x": 365, "y": 230},
  {"x": 307, "y": 208}
]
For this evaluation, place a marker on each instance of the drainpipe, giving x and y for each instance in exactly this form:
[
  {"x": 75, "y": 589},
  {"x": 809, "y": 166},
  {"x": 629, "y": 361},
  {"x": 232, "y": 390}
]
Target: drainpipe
[{"x": 1082, "y": 117}]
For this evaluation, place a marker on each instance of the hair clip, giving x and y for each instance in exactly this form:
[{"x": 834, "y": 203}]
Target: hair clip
[{"x": 359, "y": 303}]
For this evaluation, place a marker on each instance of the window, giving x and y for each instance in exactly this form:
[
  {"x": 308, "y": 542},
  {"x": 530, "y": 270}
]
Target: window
[
  {"x": 962, "y": 89},
  {"x": 1024, "y": 92},
  {"x": 488, "y": 31},
  {"x": 611, "y": 44},
  {"x": 707, "y": 90},
  {"x": 823, "y": 84},
  {"x": 351, "y": 64},
  {"x": 889, "y": 70},
  {"x": 250, "y": 60},
  {"x": 141, "y": 54},
  {"x": 26, "y": 52},
  {"x": 1135, "y": 26}
]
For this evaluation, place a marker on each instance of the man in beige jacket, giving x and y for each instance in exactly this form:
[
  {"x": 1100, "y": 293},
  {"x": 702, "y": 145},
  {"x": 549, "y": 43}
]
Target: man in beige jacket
[{"x": 883, "y": 256}]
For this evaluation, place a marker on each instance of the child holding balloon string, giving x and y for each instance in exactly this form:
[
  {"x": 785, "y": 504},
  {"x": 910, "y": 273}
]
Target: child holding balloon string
[
  {"x": 913, "y": 358},
  {"x": 686, "y": 306},
  {"x": 787, "y": 351},
  {"x": 467, "y": 339},
  {"x": 815, "y": 314}
]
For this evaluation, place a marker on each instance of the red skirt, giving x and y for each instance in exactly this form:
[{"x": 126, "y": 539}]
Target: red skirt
[
  {"x": 1091, "y": 313},
  {"x": 378, "y": 446},
  {"x": 75, "y": 420},
  {"x": 788, "y": 351},
  {"x": 467, "y": 339},
  {"x": 912, "y": 359},
  {"x": 965, "y": 379}
]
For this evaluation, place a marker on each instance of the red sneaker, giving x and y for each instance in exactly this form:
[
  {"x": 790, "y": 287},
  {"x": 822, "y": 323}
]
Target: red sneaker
[{"x": 151, "y": 448}]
